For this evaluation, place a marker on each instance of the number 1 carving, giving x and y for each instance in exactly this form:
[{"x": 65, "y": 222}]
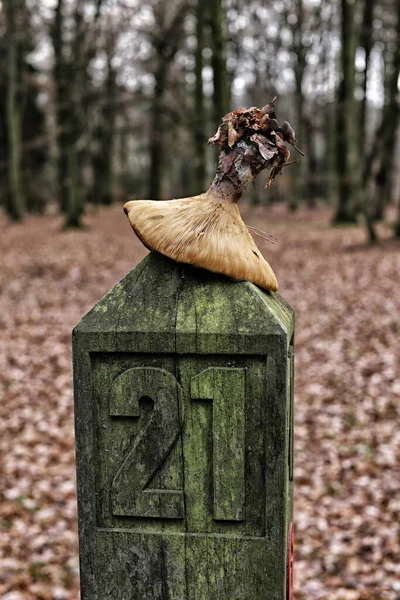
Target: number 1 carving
[
  {"x": 130, "y": 494},
  {"x": 226, "y": 388}
]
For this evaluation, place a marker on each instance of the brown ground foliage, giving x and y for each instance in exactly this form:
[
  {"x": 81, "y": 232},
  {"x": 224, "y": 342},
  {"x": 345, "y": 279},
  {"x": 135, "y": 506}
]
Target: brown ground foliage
[{"x": 347, "y": 494}]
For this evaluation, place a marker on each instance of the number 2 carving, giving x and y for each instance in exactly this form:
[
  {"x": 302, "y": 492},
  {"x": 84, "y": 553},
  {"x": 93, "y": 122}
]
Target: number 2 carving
[{"x": 130, "y": 494}]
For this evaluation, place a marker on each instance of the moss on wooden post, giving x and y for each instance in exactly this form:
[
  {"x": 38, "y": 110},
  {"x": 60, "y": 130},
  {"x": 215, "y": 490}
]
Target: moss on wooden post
[{"x": 183, "y": 405}]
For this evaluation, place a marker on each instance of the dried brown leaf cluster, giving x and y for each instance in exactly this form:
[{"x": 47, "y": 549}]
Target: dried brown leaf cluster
[
  {"x": 347, "y": 477},
  {"x": 259, "y": 125}
]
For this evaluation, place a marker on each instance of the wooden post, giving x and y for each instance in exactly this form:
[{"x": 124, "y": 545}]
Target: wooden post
[{"x": 184, "y": 438}]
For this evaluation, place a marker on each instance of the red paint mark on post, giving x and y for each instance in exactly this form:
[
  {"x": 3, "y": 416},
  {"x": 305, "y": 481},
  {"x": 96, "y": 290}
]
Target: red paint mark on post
[{"x": 290, "y": 561}]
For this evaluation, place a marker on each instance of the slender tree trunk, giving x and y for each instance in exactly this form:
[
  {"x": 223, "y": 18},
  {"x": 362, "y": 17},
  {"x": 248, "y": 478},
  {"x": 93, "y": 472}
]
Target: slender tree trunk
[
  {"x": 366, "y": 41},
  {"x": 78, "y": 107},
  {"x": 394, "y": 111},
  {"x": 299, "y": 174},
  {"x": 62, "y": 98},
  {"x": 200, "y": 115},
  {"x": 397, "y": 229},
  {"x": 102, "y": 162},
  {"x": 345, "y": 211},
  {"x": 311, "y": 165},
  {"x": 166, "y": 46},
  {"x": 75, "y": 196},
  {"x": 123, "y": 148},
  {"x": 365, "y": 202},
  {"x": 220, "y": 76},
  {"x": 157, "y": 135},
  {"x": 390, "y": 122},
  {"x": 15, "y": 200}
]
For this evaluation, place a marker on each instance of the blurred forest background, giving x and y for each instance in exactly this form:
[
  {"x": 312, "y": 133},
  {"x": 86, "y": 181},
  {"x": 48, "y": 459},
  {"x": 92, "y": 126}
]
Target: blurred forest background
[
  {"x": 105, "y": 99},
  {"x": 101, "y": 100}
]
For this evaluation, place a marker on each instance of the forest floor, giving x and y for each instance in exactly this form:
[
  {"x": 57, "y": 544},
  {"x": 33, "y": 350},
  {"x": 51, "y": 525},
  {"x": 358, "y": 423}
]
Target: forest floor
[{"x": 347, "y": 434}]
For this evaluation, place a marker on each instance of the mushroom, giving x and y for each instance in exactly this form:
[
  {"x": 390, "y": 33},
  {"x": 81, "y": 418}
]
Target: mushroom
[{"x": 207, "y": 230}]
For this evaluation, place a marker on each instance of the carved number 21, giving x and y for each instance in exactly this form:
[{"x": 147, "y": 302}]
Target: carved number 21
[{"x": 225, "y": 387}]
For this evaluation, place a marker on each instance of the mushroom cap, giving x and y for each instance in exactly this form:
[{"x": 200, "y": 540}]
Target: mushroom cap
[{"x": 204, "y": 232}]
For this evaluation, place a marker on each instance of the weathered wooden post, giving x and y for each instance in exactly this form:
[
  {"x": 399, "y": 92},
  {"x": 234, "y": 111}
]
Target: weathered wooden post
[{"x": 184, "y": 433}]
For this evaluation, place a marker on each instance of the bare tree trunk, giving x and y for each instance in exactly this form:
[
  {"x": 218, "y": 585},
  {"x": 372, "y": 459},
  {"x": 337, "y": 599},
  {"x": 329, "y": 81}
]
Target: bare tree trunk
[
  {"x": 200, "y": 115},
  {"x": 366, "y": 41},
  {"x": 62, "y": 98},
  {"x": 75, "y": 75},
  {"x": 102, "y": 162},
  {"x": 397, "y": 229},
  {"x": 77, "y": 78},
  {"x": 393, "y": 117},
  {"x": 390, "y": 122},
  {"x": 166, "y": 44},
  {"x": 311, "y": 174},
  {"x": 157, "y": 136},
  {"x": 73, "y": 53},
  {"x": 15, "y": 200},
  {"x": 220, "y": 75},
  {"x": 298, "y": 48},
  {"x": 345, "y": 211},
  {"x": 75, "y": 197},
  {"x": 365, "y": 203}
]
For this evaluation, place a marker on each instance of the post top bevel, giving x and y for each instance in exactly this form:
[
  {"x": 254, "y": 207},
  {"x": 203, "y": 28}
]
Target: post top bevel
[{"x": 164, "y": 306}]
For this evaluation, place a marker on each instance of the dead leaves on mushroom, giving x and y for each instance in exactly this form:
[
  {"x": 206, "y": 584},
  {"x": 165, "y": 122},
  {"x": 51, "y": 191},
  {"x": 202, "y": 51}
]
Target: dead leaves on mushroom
[
  {"x": 233, "y": 135},
  {"x": 262, "y": 128},
  {"x": 267, "y": 148}
]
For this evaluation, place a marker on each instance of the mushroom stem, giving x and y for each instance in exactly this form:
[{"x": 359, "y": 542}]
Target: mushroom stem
[{"x": 237, "y": 167}]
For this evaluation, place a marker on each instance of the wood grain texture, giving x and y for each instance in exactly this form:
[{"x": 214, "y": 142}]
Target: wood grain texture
[{"x": 183, "y": 428}]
